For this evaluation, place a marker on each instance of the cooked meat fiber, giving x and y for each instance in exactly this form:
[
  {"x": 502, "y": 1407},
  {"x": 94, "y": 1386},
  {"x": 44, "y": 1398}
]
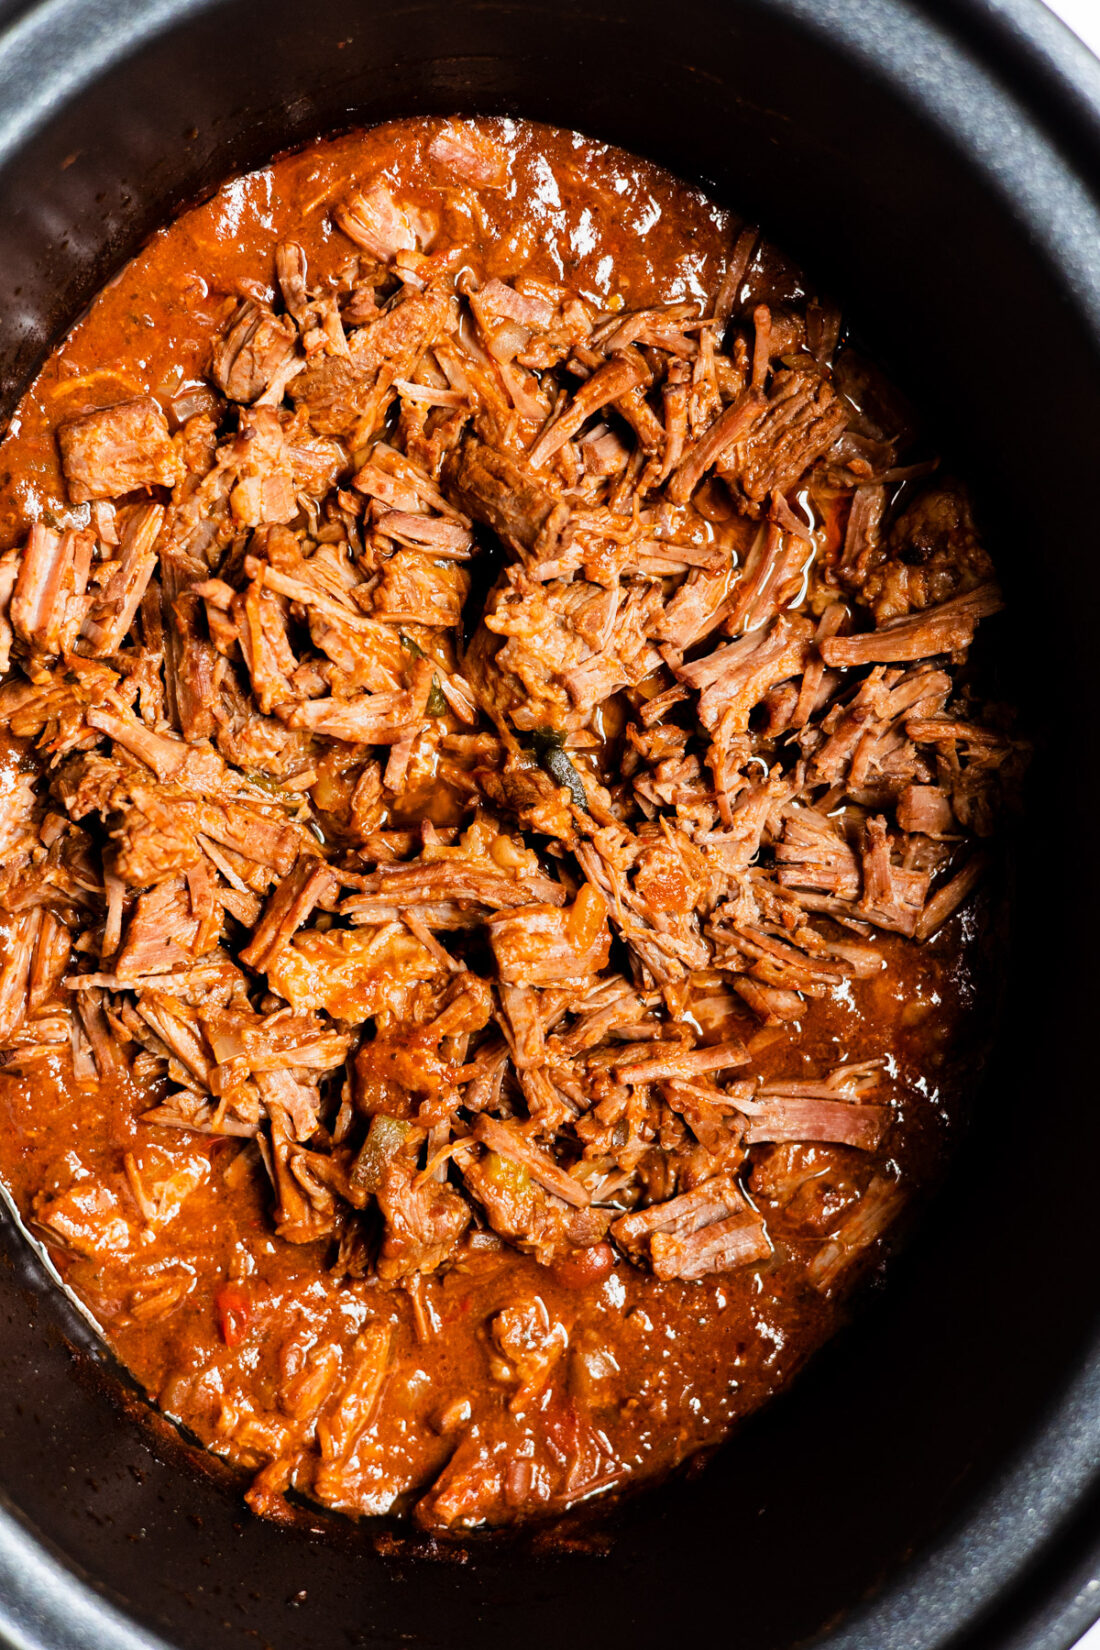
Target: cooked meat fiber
[{"x": 490, "y": 819}]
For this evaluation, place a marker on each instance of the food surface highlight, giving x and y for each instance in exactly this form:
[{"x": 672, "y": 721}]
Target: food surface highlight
[{"x": 494, "y": 804}]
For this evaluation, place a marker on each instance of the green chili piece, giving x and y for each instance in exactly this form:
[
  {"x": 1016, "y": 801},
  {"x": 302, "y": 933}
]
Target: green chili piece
[
  {"x": 437, "y": 704},
  {"x": 384, "y": 1139},
  {"x": 550, "y": 756}
]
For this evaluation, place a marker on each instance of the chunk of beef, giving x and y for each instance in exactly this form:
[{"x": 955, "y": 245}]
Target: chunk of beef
[
  {"x": 727, "y": 430},
  {"x": 454, "y": 879},
  {"x": 425, "y": 1219},
  {"x": 932, "y": 555},
  {"x": 88, "y": 1219},
  {"x": 545, "y": 945},
  {"x": 734, "y": 679},
  {"x": 569, "y": 647},
  {"x": 174, "y": 923},
  {"x": 15, "y": 970},
  {"x": 118, "y": 450},
  {"x": 659, "y": 1065},
  {"x": 666, "y": 942},
  {"x": 861, "y": 535},
  {"x": 499, "y": 491},
  {"x": 158, "y": 835},
  {"x": 48, "y": 603},
  {"x": 374, "y": 220},
  {"x": 614, "y": 379},
  {"x": 113, "y": 610},
  {"x": 800, "y": 1118},
  {"x": 524, "y": 1213},
  {"x": 867, "y": 1221},
  {"x": 806, "y": 1187},
  {"x": 414, "y": 589},
  {"x": 510, "y": 1142},
  {"x": 409, "y": 1055},
  {"x": 925, "y": 809},
  {"x": 352, "y": 974},
  {"x": 943, "y": 629},
  {"x": 343, "y": 1422},
  {"x": 255, "y": 354},
  {"x": 949, "y": 898},
  {"x": 799, "y": 421},
  {"x": 528, "y": 1343},
  {"x": 370, "y": 719},
  {"x": 469, "y": 153},
  {"x": 893, "y": 896},
  {"x": 706, "y": 1230},
  {"x": 739, "y": 1240},
  {"x": 288, "y": 908},
  {"x": 348, "y": 394},
  {"x": 814, "y": 853},
  {"x": 191, "y": 665}
]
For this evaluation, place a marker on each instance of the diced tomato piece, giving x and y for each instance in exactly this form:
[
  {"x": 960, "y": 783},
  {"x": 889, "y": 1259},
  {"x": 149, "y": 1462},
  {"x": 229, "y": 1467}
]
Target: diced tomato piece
[
  {"x": 234, "y": 1307},
  {"x": 584, "y": 1266}
]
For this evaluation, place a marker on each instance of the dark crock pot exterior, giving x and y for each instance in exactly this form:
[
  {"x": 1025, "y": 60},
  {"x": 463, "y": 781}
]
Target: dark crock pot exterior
[{"x": 934, "y": 1479}]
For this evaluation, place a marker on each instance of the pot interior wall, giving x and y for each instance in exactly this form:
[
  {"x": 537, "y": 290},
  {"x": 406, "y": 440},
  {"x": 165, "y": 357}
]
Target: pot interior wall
[{"x": 907, "y": 1415}]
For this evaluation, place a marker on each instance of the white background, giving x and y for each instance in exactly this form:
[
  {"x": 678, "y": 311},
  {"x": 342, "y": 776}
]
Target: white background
[{"x": 1083, "y": 16}]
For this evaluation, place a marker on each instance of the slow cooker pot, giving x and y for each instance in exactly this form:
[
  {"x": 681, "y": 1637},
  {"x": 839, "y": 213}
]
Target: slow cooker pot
[{"x": 934, "y": 1479}]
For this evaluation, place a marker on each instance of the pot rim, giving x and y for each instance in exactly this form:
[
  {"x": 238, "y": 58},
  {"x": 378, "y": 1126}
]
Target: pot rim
[{"x": 1018, "y": 94}]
